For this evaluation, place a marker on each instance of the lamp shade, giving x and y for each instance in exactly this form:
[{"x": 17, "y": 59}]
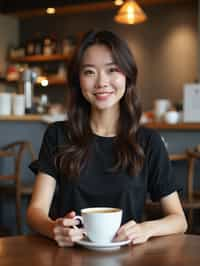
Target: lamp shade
[{"x": 130, "y": 13}]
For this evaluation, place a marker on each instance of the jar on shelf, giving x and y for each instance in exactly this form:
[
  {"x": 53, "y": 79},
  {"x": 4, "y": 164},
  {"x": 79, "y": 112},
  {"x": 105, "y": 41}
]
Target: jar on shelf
[
  {"x": 16, "y": 52},
  {"x": 68, "y": 45},
  {"x": 47, "y": 46},
  {"x": 62, "y": 72}
]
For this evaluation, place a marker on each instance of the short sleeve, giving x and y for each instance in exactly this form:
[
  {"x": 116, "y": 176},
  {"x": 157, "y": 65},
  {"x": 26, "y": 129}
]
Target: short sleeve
[
  {"x": 46, "y": 160},
  {"x": 161, "y": 181}
]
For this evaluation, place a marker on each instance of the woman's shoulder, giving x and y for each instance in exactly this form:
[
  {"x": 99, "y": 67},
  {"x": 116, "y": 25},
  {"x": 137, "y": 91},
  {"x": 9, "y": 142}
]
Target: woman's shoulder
[
  {"x": 57, "y": 130},
  {"x": 147, "y": 132},
  {"x": 148, "y": 135},
  {"x": 57, "y": 126}
]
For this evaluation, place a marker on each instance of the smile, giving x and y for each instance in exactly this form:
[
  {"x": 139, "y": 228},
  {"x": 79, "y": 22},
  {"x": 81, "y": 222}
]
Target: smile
[{"x": 102, "y": 95}]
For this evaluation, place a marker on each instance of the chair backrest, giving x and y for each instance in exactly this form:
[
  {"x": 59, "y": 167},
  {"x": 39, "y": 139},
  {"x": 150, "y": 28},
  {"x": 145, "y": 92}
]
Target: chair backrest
[
  {"x": 192, "y": 157},
  {"x": 16, "y": 150},
  {"x": 189, "y": 157}
]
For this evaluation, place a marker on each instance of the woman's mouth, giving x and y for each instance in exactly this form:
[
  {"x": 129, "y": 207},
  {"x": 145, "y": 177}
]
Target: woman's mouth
[{"x": 103, "y": 95}]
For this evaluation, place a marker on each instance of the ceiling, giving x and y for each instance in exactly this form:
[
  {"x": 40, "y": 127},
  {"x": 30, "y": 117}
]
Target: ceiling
[
  {"x": 37, "y": 7},
  {"x": 9, "y": 6}
]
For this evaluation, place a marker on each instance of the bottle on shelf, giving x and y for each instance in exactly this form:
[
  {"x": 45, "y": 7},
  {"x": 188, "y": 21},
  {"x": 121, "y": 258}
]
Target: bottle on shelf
[
  {"x": 43, "y": 104},
  {"x": 47, "y": 46},
  {"x": 68, "y": 45},
  {"x": 30, "y": 47},
  {"x": 28, "y": 78},
  {"x": 50, "y": 44},
  {"x": 38, "y": 44}
]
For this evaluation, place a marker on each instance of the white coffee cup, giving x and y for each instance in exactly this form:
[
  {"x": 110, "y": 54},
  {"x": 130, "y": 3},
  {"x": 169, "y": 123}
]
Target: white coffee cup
[
  {"x": 101, "y": 224},
  {"x": 18, "y": 104},
  {"x": 5, "y": 103},
  {"x": 161, "y": 106},
  {"x": 172, "y": 117}
]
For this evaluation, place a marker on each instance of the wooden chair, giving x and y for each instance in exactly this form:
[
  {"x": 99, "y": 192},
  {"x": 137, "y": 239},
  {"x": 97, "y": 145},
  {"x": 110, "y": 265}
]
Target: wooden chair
[
  {"x": 193, "y": 195},
  {"x": 191, "y": 201},
  {"x": 12, "y": 183}
]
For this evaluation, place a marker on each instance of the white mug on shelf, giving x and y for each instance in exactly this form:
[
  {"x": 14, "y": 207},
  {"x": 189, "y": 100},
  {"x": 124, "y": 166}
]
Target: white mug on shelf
[
  {"x": 161, "y": 106},
  {"x": 172, "y": 117},
  {"x": 5, "y": 103},
  {"x": 18, "y": 104}
]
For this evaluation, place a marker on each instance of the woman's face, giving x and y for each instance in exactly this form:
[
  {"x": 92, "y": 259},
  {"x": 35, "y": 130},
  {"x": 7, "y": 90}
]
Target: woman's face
[{"x": 101, "y": 80}]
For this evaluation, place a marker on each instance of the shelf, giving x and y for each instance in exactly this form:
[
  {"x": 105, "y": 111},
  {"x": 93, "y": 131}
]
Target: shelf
[
  {"x": 177, "y": 126},
  {"x": 40, "y": 58},
  {"x": 54, "y": 81},
  {"x": 4, "y": 80},
  {"x": 51, "y": 81},
  {"x": 31, "y": 118}
]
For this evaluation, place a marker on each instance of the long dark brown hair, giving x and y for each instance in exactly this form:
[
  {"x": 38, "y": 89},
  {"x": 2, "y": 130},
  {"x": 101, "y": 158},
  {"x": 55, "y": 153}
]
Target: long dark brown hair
[{"x": 129, "y": 154}]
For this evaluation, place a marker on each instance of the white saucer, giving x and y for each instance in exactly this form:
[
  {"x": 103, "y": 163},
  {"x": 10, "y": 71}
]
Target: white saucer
[{"x": 107, "y": 246}]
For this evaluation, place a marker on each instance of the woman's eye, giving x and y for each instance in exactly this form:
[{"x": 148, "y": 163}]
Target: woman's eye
[
  {"x": 114, "y": 69},
  {"x": 88, "y": 72}
]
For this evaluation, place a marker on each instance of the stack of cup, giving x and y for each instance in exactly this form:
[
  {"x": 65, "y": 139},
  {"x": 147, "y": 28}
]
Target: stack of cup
[
  {"x": 5, "y": 103},
  {"x": 18, "y": 104}
]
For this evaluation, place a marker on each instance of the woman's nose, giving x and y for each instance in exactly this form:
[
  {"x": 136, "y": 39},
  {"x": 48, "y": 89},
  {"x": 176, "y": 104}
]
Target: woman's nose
[{"x": 102, "y": 80}]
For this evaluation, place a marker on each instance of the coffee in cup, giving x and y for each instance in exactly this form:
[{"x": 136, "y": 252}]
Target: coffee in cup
[{"x": 101, "y": 224}]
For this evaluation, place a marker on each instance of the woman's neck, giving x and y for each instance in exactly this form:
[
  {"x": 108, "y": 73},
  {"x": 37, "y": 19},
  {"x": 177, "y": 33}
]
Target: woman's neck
[{"x": 104, "y": 123}]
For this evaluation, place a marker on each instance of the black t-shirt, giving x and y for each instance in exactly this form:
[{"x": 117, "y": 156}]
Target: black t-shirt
[{"x": 98, "y": 187}]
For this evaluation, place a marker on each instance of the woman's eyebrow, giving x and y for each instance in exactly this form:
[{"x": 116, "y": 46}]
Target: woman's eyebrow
[
  {"x": 86, "y": 65},
  {"x": 110, "y": 64},
  {"x": 91, "y": 65}
]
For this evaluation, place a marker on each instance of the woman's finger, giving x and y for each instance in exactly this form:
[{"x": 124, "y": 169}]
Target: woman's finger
[
  {"x": 64, "y": 240},
  {"x": 124, "y": 232},
  {"x": 71, "y": 214},
  {"x": 139, "y": 240},
  {"x": 66, "y": 222},
  {"x": 126, "y": 226},
  {"x": 65, "y": 243}
]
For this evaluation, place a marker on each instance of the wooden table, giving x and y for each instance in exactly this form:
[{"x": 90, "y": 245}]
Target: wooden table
[{"x": 176, "y": 250}]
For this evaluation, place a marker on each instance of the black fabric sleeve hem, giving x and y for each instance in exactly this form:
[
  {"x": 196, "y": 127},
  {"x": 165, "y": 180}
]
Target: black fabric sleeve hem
[
  {"x": 37, "y": 166},
  {"x": 163, "y": 194}
]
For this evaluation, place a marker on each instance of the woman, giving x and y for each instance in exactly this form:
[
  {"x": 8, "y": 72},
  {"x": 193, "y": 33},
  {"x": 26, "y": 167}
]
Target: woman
[{"x": 101, "y": 156}]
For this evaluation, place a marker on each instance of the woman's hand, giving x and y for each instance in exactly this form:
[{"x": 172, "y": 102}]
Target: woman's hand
[
  {"x": 137, "y": 232},
  {"x": 66, "y": 231}
]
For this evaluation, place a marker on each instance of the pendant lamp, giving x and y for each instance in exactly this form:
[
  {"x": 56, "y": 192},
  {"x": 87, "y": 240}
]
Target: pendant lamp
[{"x": 130, "y": 13}]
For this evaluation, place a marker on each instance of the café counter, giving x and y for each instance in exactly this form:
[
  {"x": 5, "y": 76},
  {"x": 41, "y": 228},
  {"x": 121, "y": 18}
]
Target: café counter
[
  {"x": 155, "y": 125},
  {"x": 178, "y": 137},
  {"x": 25, "y": 118}
]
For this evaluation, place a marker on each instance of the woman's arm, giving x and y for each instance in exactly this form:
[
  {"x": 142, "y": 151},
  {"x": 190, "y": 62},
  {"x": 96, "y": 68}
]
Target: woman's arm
[
  {"x": 63, "y": 230},
  {"x": 38, "y": 210},
  {"x": 173, "y": 222}
]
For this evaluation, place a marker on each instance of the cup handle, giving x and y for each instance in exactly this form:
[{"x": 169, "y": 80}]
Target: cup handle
[{"x": 80, "y": 220}]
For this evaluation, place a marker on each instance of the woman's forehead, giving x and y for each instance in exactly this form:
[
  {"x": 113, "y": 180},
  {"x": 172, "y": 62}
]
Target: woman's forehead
[{"x": 97, "y": 53}]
